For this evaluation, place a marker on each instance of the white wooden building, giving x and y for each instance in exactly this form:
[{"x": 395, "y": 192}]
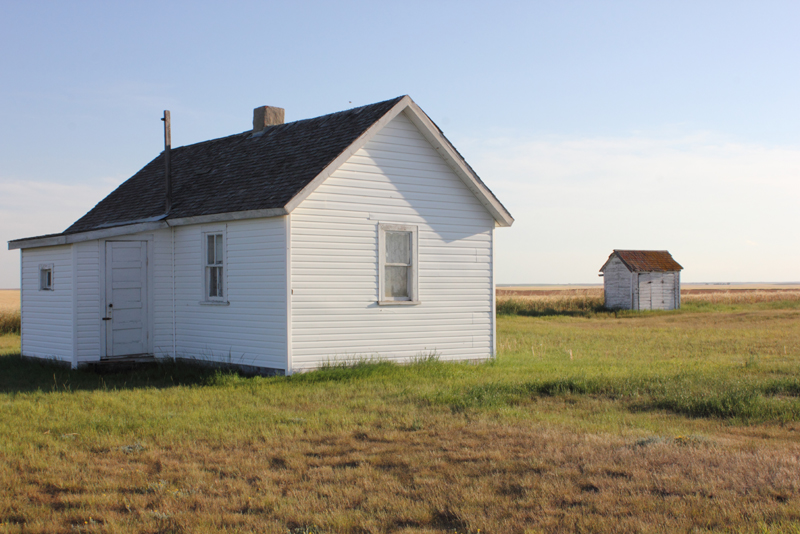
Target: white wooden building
[
  {"x": 642, "y": 280},
  {"x": 358, "y": 234}
]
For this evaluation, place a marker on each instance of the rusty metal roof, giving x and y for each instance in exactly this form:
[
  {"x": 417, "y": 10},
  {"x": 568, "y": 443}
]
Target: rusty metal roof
[{"x": 645, "y": 260}]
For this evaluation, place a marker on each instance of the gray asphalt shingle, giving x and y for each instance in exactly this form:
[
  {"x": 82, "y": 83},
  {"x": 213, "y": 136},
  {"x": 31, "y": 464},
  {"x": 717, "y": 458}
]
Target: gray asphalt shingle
[{"x": 235, "y": 173}]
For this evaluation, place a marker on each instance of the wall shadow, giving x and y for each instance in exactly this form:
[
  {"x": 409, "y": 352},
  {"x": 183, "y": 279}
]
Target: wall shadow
[{"x": 23, "y": 375}]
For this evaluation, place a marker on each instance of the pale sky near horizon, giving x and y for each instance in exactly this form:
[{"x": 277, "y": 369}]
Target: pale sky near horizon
[{"x": 599, "y": 125}]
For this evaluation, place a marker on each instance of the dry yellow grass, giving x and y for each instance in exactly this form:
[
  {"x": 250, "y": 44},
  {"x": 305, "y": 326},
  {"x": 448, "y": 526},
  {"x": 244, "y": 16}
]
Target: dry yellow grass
[
  {"x": 740, "y": 297},
  {"x": 568, "y": 301},
  {"x": 455, "y": 474},
  {"x": 9, "y": 299},
  {"x": 9, "y": 311}
]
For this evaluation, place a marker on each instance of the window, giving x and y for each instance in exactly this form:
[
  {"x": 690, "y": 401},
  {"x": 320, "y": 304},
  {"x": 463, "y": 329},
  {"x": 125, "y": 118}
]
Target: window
[
  {"x": 398, "y": 264},
  {"x": 214, "y": 266},
  {"x": 46, "y": 277}
]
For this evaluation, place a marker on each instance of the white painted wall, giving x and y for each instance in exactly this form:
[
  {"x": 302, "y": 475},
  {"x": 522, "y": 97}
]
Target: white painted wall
[
  {"x": 47, "y": 316},
  {"x": 251, "y": 330},
  {"x": 396, "y": 178},
  {"x": 90, "y": 299},
  {"x": 89, "y": 307},
  {"x": 617, "y": 284},
  {"x": 161, "y": 261}
]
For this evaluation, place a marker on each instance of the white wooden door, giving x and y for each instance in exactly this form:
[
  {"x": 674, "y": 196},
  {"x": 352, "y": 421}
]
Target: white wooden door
[
  {"x": 126, "y": 298},
  {"x": 645, "y": 291}
]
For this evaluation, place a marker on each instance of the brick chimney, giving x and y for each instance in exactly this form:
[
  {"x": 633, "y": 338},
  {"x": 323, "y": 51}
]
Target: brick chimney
[{"x": 266, "y": 116}]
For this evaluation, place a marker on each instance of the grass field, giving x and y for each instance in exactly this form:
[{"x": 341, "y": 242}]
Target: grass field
[
  {"x": 656, "y": 422},
  {"x": 9, "y": 299}
]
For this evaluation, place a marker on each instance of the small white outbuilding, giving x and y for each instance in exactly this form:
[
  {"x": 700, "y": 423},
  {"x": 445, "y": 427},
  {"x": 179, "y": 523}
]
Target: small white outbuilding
[
  {"x": 359, "y": 234},
  {"x": 641, "y": 280}
]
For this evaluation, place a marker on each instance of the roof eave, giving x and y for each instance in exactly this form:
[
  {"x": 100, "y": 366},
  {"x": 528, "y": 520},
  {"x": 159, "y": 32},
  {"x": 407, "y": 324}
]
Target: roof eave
[
  {"x": 104, "y": 233},
  {"x": 68, "y": 239}
]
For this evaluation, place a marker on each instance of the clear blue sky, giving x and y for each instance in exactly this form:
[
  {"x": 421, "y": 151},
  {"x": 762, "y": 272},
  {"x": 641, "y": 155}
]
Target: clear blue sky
[{"x": 600, "y": 125}]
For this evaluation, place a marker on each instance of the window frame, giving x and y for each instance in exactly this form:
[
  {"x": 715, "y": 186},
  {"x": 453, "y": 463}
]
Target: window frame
[
  {"x": 43, "y": 267},
  {"x": 413, "y": 268},
  {"x": 206, "y": 267}
]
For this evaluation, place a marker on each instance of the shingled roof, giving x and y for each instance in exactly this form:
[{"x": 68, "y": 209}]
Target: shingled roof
[
  {"x": 241, "y": 172},
  {"x": 645, "y": 260}
]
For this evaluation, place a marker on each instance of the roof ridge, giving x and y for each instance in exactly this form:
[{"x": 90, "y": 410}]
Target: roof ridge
[
  {"x": 374, "y": 104},
  {"x": 249, "y": 133}
]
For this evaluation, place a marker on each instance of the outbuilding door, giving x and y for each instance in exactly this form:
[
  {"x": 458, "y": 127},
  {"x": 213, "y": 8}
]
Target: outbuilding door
[
  {"x": 645, "y": 291},
  {"x": 126, "y": 299}
]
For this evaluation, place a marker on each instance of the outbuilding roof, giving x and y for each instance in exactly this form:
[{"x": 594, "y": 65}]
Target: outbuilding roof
[
  {"x": 247, "y": 175},
  {"x": 645, "y": 260}
]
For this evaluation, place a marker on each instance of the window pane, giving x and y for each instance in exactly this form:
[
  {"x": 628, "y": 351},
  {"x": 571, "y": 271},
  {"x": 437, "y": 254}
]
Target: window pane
[
  {"x": 397, "y": 281},
  {"x": 218, "y": 248},
  {"x": 210, "y": 260},
  {"x": 214, "y": 281},
  {"x": 397, "y": 247}
]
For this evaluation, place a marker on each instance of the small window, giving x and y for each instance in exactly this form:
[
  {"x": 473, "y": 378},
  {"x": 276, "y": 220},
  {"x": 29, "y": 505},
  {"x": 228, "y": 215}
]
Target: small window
[
  {"x": 215, "y": 266},
  {"x": 397, "y": 264},
  {"x": 46, "y": 277}
]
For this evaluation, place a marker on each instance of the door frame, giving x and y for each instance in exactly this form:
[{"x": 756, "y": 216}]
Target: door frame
[{"x": 148, "y": 240}]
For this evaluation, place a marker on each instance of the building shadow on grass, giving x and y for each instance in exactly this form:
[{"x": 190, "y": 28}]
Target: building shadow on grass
[{"x": 23, "y": 375}]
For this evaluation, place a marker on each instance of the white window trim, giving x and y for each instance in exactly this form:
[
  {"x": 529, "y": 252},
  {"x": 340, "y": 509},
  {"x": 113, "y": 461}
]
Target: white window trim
[
  {"x": 43, "y": 267},
  {"x": 413, "y": 275},
  {"x": 206, "y": 299}
]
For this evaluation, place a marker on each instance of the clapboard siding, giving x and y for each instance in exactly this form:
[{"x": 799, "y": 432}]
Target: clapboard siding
[
  {"x": 397, "y": 177},
  {"x": 88, "y": 301},
  {"x": 160, "y": 257},
  {"x": 251, "y": 330},
  {"x": 90, "y": 307},
  {"x": 47, "y": 316}
]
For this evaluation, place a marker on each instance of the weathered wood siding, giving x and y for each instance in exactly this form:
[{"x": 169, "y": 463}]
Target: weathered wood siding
[
  {"x": 617, "y": 285},
  {"x": 645, "y": 292},
  {"x": 398, "y": 177},
  {"x": 251, "y": 330},
  {"x": 47, "y": 316},
  {"x": 641, "y": 290}
]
